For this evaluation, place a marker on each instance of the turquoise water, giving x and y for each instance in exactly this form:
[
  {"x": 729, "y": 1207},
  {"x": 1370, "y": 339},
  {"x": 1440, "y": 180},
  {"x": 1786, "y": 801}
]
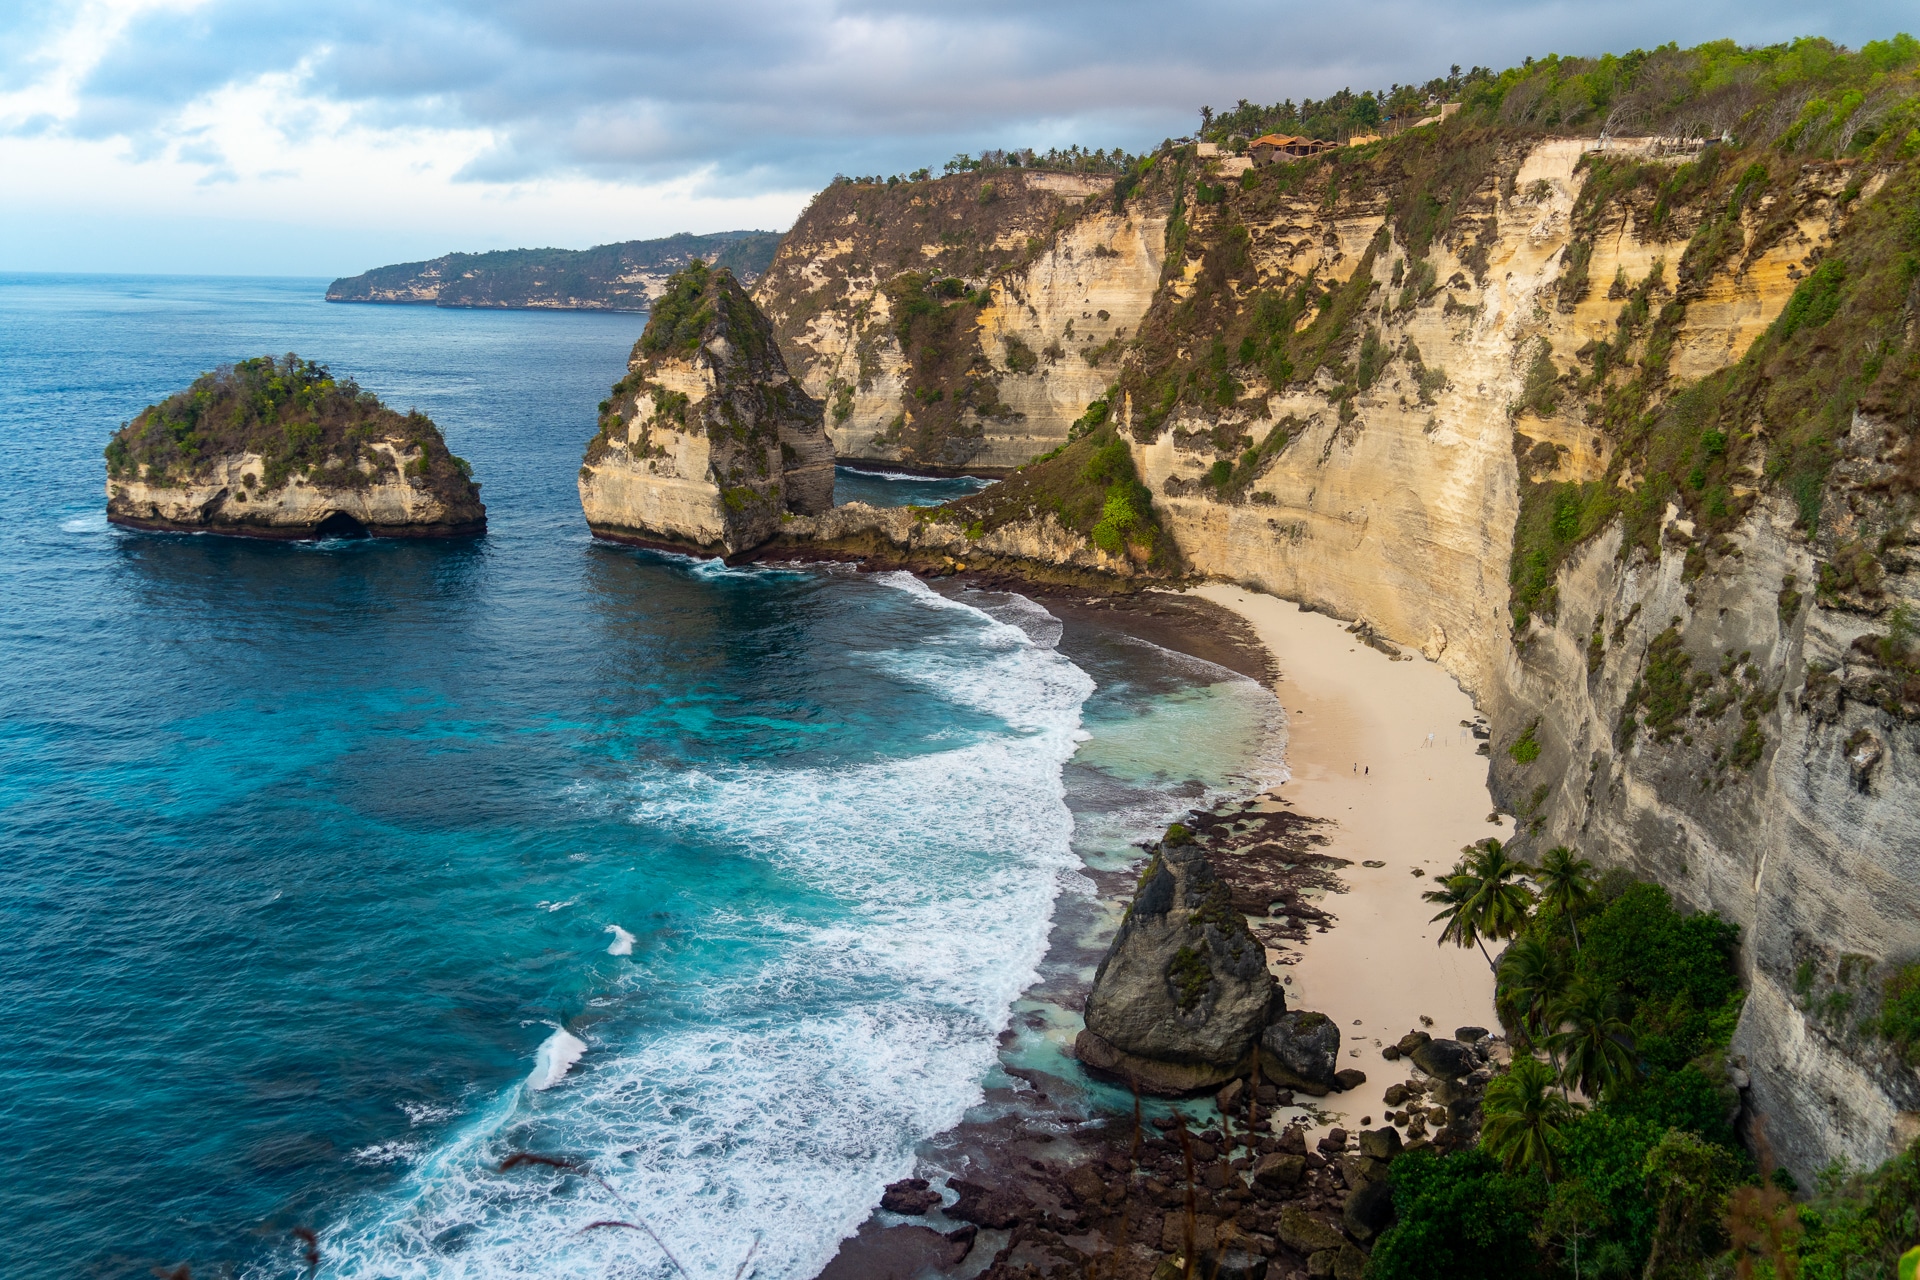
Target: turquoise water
[
  {"x": 897, "y": 489},
  {"x": 333, "y": 875}
]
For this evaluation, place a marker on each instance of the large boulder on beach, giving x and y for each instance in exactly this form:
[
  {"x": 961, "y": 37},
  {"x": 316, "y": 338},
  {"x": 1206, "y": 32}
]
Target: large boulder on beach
[
  {"x": 1445, "y": 1059},
  {"x": 1181, "y": 998},
  {"x": 1301, "y": 1050}
]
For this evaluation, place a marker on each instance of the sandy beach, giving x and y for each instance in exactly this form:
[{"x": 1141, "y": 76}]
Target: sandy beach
[{"x": 1357, "y": 748}]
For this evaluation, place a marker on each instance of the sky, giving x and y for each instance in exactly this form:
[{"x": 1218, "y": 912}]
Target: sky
[{"x": 267, "y": 137}]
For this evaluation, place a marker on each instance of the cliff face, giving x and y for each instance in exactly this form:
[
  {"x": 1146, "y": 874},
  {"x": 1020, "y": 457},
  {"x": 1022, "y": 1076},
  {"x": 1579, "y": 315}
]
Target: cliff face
[
  {"x": 1529, "y": 411},
  {"x": 609, "y": 277},
  {"x": 965, "y": 323},
  {"x": 278, "y": 449},
  {"x": 707, "y": 443}
]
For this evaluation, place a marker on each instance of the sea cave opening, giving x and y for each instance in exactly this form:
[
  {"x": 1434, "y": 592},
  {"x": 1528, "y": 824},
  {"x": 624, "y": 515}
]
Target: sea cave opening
[{"x": 340, "y": 525}]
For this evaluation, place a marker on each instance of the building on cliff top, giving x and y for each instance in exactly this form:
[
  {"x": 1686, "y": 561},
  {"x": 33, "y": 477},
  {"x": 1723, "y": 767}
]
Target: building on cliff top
[{"x": 1273, "y": 147}]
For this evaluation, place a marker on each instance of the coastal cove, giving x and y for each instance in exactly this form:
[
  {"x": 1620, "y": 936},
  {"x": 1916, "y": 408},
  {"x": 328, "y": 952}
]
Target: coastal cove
[{"x": 337, "y": 850}]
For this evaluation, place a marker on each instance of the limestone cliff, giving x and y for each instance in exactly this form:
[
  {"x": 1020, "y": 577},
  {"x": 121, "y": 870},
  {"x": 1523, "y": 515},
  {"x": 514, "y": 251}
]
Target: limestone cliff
[
  {"x": 278, "y": 449},
  {"x": 965, "y": 323},
  {"x": 1622, "y": 433},
  {"x": 707, "y": 443},
  {"x": 1623, "y": 438}
]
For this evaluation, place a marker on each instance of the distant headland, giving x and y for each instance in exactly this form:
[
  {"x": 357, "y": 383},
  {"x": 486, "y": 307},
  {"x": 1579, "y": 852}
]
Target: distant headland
[{"x": 611, "y": 277}]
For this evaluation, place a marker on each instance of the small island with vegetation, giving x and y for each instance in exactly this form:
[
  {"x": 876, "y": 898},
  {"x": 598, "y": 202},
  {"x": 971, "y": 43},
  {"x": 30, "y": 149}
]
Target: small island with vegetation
[{"x": 278, "y": 448}]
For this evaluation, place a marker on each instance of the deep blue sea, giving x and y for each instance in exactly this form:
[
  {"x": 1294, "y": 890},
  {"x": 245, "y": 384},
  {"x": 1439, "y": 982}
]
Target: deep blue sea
[{"x": 332, "y": 875}]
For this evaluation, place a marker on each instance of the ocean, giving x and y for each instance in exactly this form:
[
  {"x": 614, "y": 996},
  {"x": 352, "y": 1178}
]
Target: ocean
[{"x": 334, "y": 876}]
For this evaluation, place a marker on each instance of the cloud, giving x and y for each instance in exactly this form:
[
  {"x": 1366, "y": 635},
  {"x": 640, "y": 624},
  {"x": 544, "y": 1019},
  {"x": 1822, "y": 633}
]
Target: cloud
[
  {"x": 648, "y": 111},
  {"x": 772, "y": 91}
]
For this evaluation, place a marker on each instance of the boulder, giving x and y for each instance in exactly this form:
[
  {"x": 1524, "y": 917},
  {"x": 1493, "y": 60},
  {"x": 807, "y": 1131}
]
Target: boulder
[
  {"x": 1362, "y": 1169},
  {"x": 1173, "y": 1233},
  {"x": 1349, "y": 1263},
  {"x": 909, "y": 1196},
  {"x": 1395, "y": 1095},
  {"x": 1445, "y": 1059},
  {"x": 1086, "y": 1184},
  {"x": 984, "y": 1206},
  {"x": 1152, "y": 1076},
  {"x": 1349, "y": 1078},
  {"x": 1368, "y": 1211},
  {"x": 1280, "y": 1169},
  {"x": 1183, "y": 993},
  {"x": 1237, "y": 1264},
  {"x": 1333, "y": 1140},
  {"x": 1301, "y": 1050},
  {"x": 707, "y": 443},
  {"x": 1381, "y": 1144},
  {"x": 1470, "y": 1035},
  {"x": 1305, "y": 1233},
  {"x": 1411, "y": 1041},
  {"x": 1320, "y": 1264},
  {"x": 1391, "y": 1053}
]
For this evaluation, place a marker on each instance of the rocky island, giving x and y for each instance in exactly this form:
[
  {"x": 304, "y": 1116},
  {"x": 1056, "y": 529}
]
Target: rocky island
[
  {"x": 272, "y": 448},
  {"x": 706, "y": 444}
]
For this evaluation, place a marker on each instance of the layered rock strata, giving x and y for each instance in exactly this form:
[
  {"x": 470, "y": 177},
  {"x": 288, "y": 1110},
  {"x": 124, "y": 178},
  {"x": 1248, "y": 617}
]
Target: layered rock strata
[
  {"x": 965, "y": 323},
  {"x": 706, "y": 445},
  {"x": 1623, "y": 438},
  {"x": 1423, "y": 479},
  {"x": 278, "y": 449}
]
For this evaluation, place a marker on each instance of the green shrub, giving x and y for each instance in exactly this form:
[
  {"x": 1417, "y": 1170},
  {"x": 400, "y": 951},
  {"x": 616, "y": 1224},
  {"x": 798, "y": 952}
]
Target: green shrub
[
  {"x": 1899, "y": 1018},
  {"x": 1526, "y": 749}
]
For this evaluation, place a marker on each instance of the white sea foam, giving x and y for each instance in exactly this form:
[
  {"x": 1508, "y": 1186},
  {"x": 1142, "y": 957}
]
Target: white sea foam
[
  {"x": 92, "y": 522},
  {"x": 556, "y": 1056},
  {"x": 902, "y": 475},
  {"x": 805, "y": 1082},
  {"x": 380, "y": 1153},
  {"x": 622, "y": 944}
]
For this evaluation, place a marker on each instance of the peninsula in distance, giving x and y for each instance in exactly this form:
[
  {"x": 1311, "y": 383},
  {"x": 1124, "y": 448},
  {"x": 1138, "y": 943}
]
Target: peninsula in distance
[{"x": 607, "y": 277}]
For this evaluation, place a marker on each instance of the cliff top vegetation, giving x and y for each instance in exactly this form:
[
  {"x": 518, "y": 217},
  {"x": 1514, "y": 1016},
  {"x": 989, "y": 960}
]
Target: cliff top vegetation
[
  {"x": 503, "y": 277},
  {"x": 290, "y": 412}
]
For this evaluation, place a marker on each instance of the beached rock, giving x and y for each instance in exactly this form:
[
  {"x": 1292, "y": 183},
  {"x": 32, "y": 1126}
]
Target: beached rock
[
  {"x": 1349, "y": 1078},
  {"x": 1381, "y": 1144},
  {"x": 1470, "y": 1035},
  {"x": 1183, "y": 993},
  {"x": 1368, "y": 1210},
  {"x": 1445, "y": 1059},
  {"x": 1238, "y": 1264},
  {"x": 1301, "y": 1050},
  {"x": 984, "y": 1206},
  {"x": 1411, "y": 1041},
  {"x": 706, "y": 443},
  {"x": 909, "y": 1196},
  {"x": 1280, "y": 1169},
  {"x": 1304, "y": 1232},
  {"x": 273, "y": 448}
]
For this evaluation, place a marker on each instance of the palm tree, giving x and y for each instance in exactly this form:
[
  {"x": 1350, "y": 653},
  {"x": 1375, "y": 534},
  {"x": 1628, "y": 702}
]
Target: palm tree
[
  {"x": 1565, "y": 884},
  {"x": 1481, "y": 899},
  {"x": 1596, "y": 1046},
  {"x": 1530, "y": 980},
  {"x": 1524, "y": 1117}
]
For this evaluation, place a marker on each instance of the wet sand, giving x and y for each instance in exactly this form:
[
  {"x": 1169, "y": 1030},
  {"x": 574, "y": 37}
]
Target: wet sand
[{"x": 1357, "y": 750}]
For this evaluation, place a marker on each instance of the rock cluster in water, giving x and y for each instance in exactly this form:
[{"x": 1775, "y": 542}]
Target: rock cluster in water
[
  {"x": 707, "y": 443},
  {"x": 272, "y": 448}
]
